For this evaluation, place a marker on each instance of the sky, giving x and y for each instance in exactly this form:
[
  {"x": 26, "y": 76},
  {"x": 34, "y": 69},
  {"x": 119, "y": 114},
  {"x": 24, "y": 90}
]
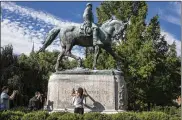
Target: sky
[{"x": 23, "y": 23}]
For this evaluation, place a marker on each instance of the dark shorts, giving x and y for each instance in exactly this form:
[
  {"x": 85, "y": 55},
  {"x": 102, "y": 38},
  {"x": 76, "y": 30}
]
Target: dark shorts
[{"x": 79, "y": 110}]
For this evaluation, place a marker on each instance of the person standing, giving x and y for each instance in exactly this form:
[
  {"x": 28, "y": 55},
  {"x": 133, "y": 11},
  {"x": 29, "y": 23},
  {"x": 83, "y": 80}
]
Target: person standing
[
  {"x": 4, "y": 101},
  {"x": 79, "y": 100}
]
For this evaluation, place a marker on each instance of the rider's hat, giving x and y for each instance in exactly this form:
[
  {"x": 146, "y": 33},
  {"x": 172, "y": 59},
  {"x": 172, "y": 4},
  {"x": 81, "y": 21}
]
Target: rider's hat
[{"x": 89, "y": 4}]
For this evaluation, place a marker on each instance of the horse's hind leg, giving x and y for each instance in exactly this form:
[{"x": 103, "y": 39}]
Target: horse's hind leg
[
  {"x": 60, "y": 56},
  {"x": 69, "y": 54}
]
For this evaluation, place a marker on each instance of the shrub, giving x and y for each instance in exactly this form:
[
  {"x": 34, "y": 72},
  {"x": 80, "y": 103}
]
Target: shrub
[
  {"x": 125, "y": 116},
  {"x": 11, "y": 115},
  {"x": 71, "y": 116},
  {"x": 36, "y": 115},
  {"x": 179, "y": 112},
  {"x": 153, "y": 116},
  {"x": 96, "y": 116},
  {"x": 22, "y": 109},
  {"x": 55, "y": 115},
  {"x": 175, "y": 118},
  {"x": 170, "y": 110},
  {"x": 43, "y": 115}
]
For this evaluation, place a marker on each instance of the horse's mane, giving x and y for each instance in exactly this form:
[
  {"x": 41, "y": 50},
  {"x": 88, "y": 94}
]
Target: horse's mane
[
  {"x": 106, "y": 22},
  {"x": 111, "y": 21}
]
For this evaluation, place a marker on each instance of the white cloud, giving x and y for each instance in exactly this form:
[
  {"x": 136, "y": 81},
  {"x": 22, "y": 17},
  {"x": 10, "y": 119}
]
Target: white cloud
[
  {"x": 13, "y": 34},
  {"x": 172, "y": 19},
  {"x": 172, "y": 14},
  {"x": 39, "y": 15},
  {"x": 21, "y": 32},
  {"x": 30, "y": 27},
  {"x": 41, "y": 30},
  {"x": 170, "y": 39}
]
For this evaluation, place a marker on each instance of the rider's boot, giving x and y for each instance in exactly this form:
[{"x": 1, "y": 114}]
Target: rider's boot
[{"x": 96, "y": 39}]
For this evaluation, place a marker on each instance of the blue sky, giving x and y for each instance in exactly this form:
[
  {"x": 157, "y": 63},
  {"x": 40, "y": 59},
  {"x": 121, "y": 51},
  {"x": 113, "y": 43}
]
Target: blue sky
[{"x": 30, "y": 21}]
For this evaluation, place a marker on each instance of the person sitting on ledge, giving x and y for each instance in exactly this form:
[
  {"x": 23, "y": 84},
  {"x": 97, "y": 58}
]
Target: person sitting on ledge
[
  {"x": 35, "y": 102},
  {"x": 79, "y": 100}
]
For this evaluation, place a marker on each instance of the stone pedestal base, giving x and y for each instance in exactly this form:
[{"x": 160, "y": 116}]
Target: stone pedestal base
[{"x": 106, "y": 88}]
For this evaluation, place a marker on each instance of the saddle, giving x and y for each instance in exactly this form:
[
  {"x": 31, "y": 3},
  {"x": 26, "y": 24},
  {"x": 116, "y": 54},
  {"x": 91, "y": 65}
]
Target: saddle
[{"x": 85, "y": 30}]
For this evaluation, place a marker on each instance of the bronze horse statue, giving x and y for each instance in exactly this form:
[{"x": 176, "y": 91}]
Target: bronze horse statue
[{"x": 71, "y": 35}]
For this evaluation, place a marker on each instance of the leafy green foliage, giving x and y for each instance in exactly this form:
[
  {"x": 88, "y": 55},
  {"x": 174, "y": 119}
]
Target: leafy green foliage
[
  {"x": 170, "y": 110},
  {"x": 55, "y": 115},
  {"x": 96, "y": 116},
  {"x": 11, "y": 115},
  {"x": 8, "y": 65},
  {"x": 151, "y": 66},
  {"x": 42, "y": 115},
  {"x": 20, "y": 109},
  {"x": 125, "y": 116},
  {"x": 28, "y": 74},
  {"x": 70, "y": 116},
  {"x": 153, "y": 116}
]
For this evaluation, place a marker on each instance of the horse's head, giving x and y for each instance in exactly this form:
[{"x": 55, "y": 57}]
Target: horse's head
[
  {"x": 115, "y": 28},
  {"x": 119, "y": 28}
]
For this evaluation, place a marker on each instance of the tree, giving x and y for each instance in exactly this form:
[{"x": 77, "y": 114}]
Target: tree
[
  {"x": 8, "y": 65},
  {"x": 126, "y": 51},
  {"x": 145, "y": 55},
  {"x": 28, "y": 74}
]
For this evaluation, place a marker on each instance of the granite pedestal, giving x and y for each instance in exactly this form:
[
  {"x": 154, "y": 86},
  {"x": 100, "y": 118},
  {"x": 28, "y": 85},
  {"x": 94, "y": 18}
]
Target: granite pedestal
[{"x": 106, "y": 88}]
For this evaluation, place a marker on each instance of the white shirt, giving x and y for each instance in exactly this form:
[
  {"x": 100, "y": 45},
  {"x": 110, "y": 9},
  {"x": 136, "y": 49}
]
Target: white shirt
[
  {"x": 78, "y": 102},
  {"x": 4, "y": 101}
]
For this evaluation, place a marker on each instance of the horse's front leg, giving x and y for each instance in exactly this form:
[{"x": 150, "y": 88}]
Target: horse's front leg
[{"x": 96, "y": 55}]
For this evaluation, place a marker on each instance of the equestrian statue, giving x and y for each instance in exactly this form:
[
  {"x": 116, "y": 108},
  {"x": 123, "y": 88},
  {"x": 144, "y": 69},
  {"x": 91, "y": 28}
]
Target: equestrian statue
[{"x": 87, "y": 34}]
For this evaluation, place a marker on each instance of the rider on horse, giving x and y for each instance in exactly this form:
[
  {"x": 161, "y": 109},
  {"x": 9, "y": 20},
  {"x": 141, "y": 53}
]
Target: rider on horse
[{"x": 89, "y": 22}]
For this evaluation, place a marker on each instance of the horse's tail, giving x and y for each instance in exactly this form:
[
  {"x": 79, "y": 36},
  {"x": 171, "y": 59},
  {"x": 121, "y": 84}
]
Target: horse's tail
[{"x": 50, "y": 38}]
